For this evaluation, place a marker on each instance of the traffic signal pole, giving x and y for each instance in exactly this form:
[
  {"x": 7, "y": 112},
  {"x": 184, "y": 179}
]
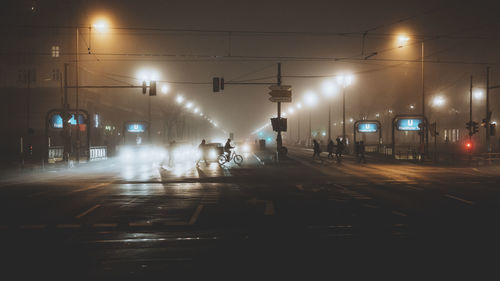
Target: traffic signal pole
[
  {"x": 279, "y": 142},
  {"x": 488, "y": 114}
]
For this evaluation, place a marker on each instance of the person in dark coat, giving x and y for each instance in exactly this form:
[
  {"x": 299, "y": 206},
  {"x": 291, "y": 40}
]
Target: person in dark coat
[
  {"x": 316, "y": 150},
  {"x": 329, "y": 148}
]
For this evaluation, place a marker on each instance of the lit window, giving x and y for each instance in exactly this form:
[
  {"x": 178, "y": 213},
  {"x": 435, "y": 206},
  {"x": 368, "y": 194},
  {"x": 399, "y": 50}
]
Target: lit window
[{"x": 55, "y": 51}]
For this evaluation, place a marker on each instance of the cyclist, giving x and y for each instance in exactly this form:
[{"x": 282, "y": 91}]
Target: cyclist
[
  {"x": 227, "y": 149},
  {"x": 203, "y": 152}
]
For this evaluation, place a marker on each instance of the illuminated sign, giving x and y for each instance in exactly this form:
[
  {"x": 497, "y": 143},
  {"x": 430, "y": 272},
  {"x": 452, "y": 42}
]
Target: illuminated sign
[
  {"x": 56, "y": 121},
  {"x": 367, "y": 127},
  {"x": 136, "y": 128},
  {"x": 408, "y": 124}
]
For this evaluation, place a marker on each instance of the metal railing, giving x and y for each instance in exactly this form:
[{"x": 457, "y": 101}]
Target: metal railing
[
  {"x": 56, "y": 153},
  {"x": 98, "y": 153}
]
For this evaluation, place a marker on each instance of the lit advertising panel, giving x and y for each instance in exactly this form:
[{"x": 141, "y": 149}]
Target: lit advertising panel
[{"x": 56, "y": 121}]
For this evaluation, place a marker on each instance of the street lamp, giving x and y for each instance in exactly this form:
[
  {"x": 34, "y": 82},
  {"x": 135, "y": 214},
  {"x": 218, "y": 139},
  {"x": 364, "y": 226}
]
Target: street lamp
[
  {"x": 179, "y": 99},
  {"x": 298, "y": 107},
  {"x": 165, "y": 88},
  {"x": 438, "y": 101},
  {"x": 344, "y": 81},
  {"x": 329, "y": 90},
  {"x": 311, "y": 100},
  {"x": 402, "y": 40}
]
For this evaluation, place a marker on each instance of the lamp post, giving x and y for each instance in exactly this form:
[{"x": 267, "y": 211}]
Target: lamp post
[
  {"x": 299, "y": 106},
  {"x": 329, "y": 90},
  {"x": 344, "y": 81},
  {"x": 311, "y": 99}
]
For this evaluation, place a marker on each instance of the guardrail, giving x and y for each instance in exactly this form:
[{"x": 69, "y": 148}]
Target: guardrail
[
  {"x": 55, "y": 153},
  {"x": 98, "y": 153}
]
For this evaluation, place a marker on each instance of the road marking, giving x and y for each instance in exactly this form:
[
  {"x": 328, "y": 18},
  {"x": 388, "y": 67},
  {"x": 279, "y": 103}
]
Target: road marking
[
  {"x": 196, "y": 214},
  {"x": 140, "y": 223},
  {"x": 414, "y": 187},
  {"x": 459, "y": 199},
  {"x": 94, "y": 186},
  {"x": 105, "y": 225},
  {"x": 399, "y": 214},
  {"x": 370, "y": 206},
  {"x": 299, "y": 187},
  {"x": 68, "y": 226},
  {"x": 88, "y": 211},
  {"x": 226, "y": 172},
  {"x": 34, "y": 226},
  {"x": 269, "y": 210}
]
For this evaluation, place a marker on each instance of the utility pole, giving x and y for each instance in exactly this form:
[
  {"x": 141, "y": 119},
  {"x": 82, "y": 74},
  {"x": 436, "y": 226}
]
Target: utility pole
[
  {"x": 488, "y": 113},
  {"x": 298, "y": 127},
  {"x": 149, "y": 119},
  {"x": 66, "y": 130},
  {"x": 343, "y": 116},
  {"x": 77, "y": 115},
  {"x": 329, "y": 121}
]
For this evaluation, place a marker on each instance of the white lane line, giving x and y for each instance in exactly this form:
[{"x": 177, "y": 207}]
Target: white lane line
[
  {"x": 105, "y": 225},
  {"x": 140, "y": 223},
  {"x": 94, "y": 186},
  {"x": 459, "y": 199},
  {"x": 399, "y": 214},
  {"x": 269, "y": 210},
  {"x": 68, "y": 226},
  {"x": 196, "y": 214},
  {"x": 34, "y": 226},
  {"x": 88, "y": 211}
]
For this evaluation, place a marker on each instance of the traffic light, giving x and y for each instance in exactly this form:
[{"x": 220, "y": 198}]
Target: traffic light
[
  {"x": 492, "y": 129},
  {"x": 484, "y": 123},
  {"x": 152, "y": 88},
  {"x": 468, "y": 146},
  {"x": 144, "y": 86},
  {"x": 475, "y": 127},
  {"x": 30, "y": 150},
  {"x": 215, "y": 82},
  {"x": 222, "y": 83}
]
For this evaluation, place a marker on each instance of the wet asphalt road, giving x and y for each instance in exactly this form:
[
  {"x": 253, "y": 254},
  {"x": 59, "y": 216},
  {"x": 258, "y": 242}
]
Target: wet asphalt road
[{"x": 110, "y": 219}]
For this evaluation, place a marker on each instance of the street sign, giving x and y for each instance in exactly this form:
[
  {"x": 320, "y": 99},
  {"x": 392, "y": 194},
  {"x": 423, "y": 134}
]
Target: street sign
[
  {"x": 367, "y": 127},
  {"x": 411, "y": 124},
  {"x": 281, "y": 99},
  {"x": 280, "y": 93},
  {"x": 280, "y": 87},
  {"x": 136, "y": 128},
  {"x": 279, "y": 124}
]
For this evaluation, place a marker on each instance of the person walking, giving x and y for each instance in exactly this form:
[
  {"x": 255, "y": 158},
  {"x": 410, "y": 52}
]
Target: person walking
[
  {"x": 203, "y": 154},
  {"x": 329, "y": 148},
  {"x": 340, "y": 149},
  {"x": 316, "y": 150}
]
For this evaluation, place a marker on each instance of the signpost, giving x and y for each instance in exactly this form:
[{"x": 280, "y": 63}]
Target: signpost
[
  {"x": 411, "y": 123},
  {"x": 368, "y": 126}
]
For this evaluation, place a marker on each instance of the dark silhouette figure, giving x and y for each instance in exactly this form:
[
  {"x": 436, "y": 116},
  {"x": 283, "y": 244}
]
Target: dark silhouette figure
[
  {"x": 329, "y": 148},
  {"x": 227, "y": 149},
  {"x": 203, "y": 152},
  {"x": 316, "y": 150},
  {"x": 340, "y": 149}
]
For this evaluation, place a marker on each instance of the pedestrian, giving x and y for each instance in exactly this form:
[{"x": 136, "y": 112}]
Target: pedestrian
[
  {"x": 316, "y": 150},
  {"x": 203, "y": 153},
  {"x": 329, "y": 148},
  {"x": 340, "y": 148}
]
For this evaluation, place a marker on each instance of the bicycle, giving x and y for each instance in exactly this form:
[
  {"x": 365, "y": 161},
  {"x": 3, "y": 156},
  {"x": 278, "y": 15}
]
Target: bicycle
[{"x": 223, "y": 159}]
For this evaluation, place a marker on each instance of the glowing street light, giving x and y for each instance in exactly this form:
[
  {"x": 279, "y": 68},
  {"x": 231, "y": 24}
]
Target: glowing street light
[
  {"x": 402, "y": 40},
  {"x": 179, "y": 99},
  {"x": 164, "y": 89},
  {"x": 189, "y": 105},
  {"x": 438, "y": 101},
  {"x": 478, "y": 94},
  {"x": 101, "y": 25},
  {"x": 291, "y": 110}
]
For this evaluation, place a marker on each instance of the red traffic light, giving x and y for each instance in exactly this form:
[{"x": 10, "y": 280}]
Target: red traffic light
[{"x": 468, "y": 146}]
